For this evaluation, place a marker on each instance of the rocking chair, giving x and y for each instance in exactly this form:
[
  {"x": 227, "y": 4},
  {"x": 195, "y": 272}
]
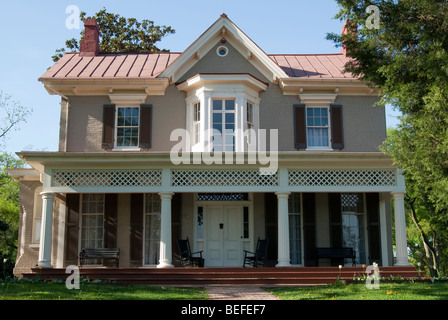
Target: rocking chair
[
  {"x": 186, "y": 256},
  {"x": 259, "y": 257}
]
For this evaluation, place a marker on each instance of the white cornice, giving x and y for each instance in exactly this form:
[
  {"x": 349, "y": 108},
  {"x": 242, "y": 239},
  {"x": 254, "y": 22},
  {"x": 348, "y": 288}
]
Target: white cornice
[
  {"x": 296, "y": 86},
  {"x": 202, "y": 80},
  {"x": 73, "y": 87},
  {"x": 317, "y": 98},
  {"x": 128, "y": 99}
]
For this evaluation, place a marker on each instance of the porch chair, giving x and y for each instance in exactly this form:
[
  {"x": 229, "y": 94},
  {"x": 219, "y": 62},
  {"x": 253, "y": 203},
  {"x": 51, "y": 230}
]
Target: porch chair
[
  {"x": 259, "y": 257},
  {"x": 186, "y": 256}
]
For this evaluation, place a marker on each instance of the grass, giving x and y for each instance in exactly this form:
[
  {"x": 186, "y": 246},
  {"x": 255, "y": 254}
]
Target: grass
[
  {"x": 354, "y": 291},
  {"x": 358, "y": 291},
  {"x": 87, "y": 291}
]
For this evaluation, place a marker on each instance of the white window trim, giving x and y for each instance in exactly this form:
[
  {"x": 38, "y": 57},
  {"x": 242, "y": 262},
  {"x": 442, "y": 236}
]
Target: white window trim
[
  {"x": 319, "y": 148},
  {"x": 223, "y": 113},
  {"x": 196, "y": 124},
  {"x": 126, "y": 148},
  {"x": 206, "y": 121},
  {"x": 205, "y": 88}
]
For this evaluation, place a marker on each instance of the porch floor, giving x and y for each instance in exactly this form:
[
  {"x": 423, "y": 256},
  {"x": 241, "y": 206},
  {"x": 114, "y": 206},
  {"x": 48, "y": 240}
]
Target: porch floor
[{"x": 199, "y": 277}]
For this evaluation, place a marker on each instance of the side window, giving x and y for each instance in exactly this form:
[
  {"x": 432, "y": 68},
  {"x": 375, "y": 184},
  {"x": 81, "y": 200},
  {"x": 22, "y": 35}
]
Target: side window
[
  {"x": 196, "y": 122},
  {"x": 127, "y": 127},
  {"x": 127, "y": 131},
  {"x": 317, "y": 127}
]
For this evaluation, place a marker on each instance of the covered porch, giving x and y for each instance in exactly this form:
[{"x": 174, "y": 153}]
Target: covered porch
[{"x": 148, "y": 203}]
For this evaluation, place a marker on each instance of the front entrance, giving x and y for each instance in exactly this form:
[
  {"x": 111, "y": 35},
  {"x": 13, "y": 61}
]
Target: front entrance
[{"x": 224, "y": 235}]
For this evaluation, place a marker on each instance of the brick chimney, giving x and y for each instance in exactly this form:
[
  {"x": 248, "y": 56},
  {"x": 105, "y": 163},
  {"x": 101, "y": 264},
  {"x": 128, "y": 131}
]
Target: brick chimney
[
  {"x": 349, "y": 28},
  {"x": 90, "y": 45}
]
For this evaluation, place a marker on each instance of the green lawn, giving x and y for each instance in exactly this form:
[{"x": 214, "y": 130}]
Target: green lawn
[
  {"x": 52, "y": 291},
  {"x": 358, "y": 291},
  {"x": 89, "y": 291}
]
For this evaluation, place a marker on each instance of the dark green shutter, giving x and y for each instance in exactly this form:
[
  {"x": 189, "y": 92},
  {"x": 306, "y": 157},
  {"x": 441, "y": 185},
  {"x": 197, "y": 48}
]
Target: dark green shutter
[
  {"x": 136, "y": 222},
  {"x": 110, "y": 220},
  {"x": 337, "y": 130},
  {"x": 145, "y": 126},
  {"x": 176, "y": 215},
  {"x": 309, "y": 228},
  {"x": 373, "y": 227},
  {"x": 271, "y": 216},
  {"x": 299, "y": 126},
  {"x": 72, "y": 231},
  {"x": 108, "y": 126}
]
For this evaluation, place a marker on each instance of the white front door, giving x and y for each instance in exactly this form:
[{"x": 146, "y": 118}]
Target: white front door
[{"x": 224, "y": 236}]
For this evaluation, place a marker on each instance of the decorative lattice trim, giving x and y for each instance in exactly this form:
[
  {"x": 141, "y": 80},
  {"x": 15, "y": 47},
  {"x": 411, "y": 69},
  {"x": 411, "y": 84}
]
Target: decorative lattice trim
[
  {"x": 342, "y": 178},
  {"x": 106, "y": 178},
  {"x": 196, "y": 178}
]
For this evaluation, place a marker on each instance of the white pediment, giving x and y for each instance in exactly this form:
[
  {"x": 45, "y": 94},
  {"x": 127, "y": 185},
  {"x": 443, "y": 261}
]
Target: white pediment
[{"x": 223, "y": 29}]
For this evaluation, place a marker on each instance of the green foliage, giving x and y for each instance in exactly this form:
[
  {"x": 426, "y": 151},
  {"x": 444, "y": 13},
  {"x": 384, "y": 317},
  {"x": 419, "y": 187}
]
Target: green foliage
[
  {"x": 9, "y": 213},
  {"x": 119, "y": 34},
  {"x": 406, "y": 59}
]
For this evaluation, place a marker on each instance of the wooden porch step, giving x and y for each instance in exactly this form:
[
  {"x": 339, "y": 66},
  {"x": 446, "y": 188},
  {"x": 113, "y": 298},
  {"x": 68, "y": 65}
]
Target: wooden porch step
[{"x": 225, "y": 276}]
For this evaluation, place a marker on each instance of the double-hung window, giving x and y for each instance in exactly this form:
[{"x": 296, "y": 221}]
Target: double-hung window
[
  {"x": 250, "y": 121},
  {"x": 92, "y": 222},
  {"x": 317, "y": 127},
  {"x": 152, "y": 228},
  {"x": 196, "y": 122},
  {"x": 128, "y": 120},
  {"x": 353, "y": 224},
  {"x": 295, "y": 227},
  {"x": 223, "y": 117}
]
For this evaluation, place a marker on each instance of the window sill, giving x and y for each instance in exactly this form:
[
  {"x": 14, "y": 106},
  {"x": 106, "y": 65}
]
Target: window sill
[
  {"x": 126, "y": 149},
  {"x": 319, "y": 149}
]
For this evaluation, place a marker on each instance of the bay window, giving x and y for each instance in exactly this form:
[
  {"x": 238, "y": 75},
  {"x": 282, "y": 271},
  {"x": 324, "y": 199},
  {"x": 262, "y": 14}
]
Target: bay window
[{"x": 221, "y": 109}]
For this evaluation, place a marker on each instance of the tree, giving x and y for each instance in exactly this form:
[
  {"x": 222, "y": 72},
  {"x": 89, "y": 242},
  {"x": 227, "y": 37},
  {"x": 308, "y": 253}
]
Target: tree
[
  {"x": 119, "y": 34},
  {"x": 9, "y": 213},
  {"x": 427, "y": 223},
  {"x": 12, "y": 113},
  {"x": 405, "y": 57}
]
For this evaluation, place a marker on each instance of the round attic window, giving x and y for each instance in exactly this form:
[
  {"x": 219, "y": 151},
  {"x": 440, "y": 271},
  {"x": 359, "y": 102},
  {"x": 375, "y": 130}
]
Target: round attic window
[{"x": 222, "y": 51}]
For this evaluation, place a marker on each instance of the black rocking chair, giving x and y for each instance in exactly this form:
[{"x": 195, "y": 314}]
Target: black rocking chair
[
  {"x": 259, "y": 257},
  {"x": 186, "y": 256}
]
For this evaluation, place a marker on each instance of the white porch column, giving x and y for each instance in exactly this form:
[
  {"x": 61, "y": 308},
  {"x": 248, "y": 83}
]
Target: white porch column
[
  {"x": 166, "y": 255},
  {"x": 400, "y": 230},
  {"x": 44, "y": 259},
  {"x": 283, "y": 230}
]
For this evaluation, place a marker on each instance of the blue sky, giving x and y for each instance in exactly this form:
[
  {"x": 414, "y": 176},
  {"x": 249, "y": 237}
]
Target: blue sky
[{"x": 30, "y": 31}]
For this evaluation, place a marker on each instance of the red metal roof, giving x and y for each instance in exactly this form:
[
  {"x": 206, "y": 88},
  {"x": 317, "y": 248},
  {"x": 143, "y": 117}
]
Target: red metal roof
[
  {"x": 107, "y": 66},
  {"x": 312, "y": 65},
  {"x": 150, "y": 65}
]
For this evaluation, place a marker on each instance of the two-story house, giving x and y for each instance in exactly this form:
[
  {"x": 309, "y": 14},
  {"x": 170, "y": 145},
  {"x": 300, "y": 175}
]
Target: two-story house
[{"x": 222, "y": 143}]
